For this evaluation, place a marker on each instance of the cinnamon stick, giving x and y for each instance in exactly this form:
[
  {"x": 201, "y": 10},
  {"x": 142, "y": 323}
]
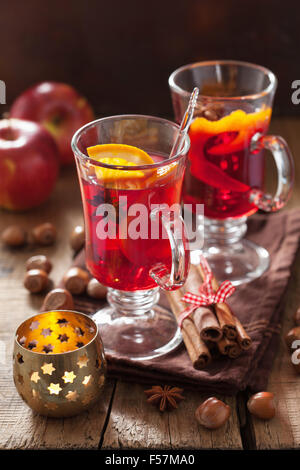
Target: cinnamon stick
[
  {"x": 243, "y": 338},
  {"x": 213, "y": 349},
  {"x": 229, "y": 348},
  {"x": 196, "y": 348},
  {"x": 224, "y": 315},
  {"x": 226, "y": 320},
  {"x": 207, "y": 324},
  {"x": 204, "y": 318},
  {"x": 231, "y": 326}
]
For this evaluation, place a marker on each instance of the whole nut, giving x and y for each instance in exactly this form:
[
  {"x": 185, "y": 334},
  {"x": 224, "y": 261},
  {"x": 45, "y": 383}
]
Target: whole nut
[
  {"x": 297, "y": 317},
  {"x": 76, "y": 280},
  {"x": 262, "y": 405},
  {"x": 77, "y": 238},
  {"x": 14, "y": 236},
  {"x": 36, "y": 280},
  {"x": 292, "y": 335},
  {"x": 213, "y": 413},
  {"x": 44, "y": 234},
  {"x": 96, "y": 290},
  {"x": 58, "y": 299},
  {"x": 39, "y": 262}
]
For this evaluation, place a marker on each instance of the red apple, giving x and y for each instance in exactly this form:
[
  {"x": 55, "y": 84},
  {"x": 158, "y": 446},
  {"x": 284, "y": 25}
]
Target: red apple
[
  {"x": 59, "y": 108},
  {"x": 29, "y": 164}
]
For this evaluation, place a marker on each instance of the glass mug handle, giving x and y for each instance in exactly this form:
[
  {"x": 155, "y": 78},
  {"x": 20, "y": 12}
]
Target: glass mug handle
[
  {"x": 176, "y": 230},
  {"x": 285, "y": 168}
]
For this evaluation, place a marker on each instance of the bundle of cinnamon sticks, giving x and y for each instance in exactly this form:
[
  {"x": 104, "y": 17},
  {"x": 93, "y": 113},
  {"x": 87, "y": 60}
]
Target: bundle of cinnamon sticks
[{"x": 210, "y": 331}]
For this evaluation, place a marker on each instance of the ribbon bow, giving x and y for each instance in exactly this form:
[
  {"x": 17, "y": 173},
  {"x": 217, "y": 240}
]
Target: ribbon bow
[{"x": 207, "y": 295}]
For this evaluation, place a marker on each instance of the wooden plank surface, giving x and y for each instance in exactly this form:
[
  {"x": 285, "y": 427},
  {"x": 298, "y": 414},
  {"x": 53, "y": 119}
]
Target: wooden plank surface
[
  {"x": 135, "y": 424},
  {"x": 123, "y": 419}
]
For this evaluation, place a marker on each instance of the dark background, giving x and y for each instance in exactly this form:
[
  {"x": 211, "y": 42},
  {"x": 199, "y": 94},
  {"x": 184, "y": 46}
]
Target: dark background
[{"x": 119, "y": 53}]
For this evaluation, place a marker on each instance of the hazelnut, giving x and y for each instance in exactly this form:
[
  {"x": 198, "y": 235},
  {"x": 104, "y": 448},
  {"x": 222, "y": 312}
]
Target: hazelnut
[
  {"x": 14, "y": 236},
  {"x": 76, "y": 280},
  {"x": 262, "y": 405},
  {"x": 213, "y": 413},
  {"x": 292, "y": 335},
  {"x": 58, "y": 299},
  {"x": 36, "y": 280},
  {"x": 44, "y": 234},
  {"x": 96, "y": 290},
  {"x": 77, "y": 238},
  {"x": 297, "y": 317},
  {"x": 39, "y": 262}
]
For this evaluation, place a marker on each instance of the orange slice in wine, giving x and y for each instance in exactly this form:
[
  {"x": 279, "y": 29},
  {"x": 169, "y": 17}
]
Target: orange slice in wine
[{"x": 120, "y": 155}]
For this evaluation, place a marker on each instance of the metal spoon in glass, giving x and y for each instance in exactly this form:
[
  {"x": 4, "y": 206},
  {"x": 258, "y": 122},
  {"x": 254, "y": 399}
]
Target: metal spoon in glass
[{"x": 185, "y": 123}]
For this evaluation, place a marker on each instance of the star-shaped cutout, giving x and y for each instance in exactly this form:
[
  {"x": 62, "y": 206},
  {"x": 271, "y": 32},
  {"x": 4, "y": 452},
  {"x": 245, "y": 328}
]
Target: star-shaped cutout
[
  {"x": 87, "y": 380},
  {"x": 34, "y": 377},
  {"x": 78, "y": 331},
  {"x": 20, "y": 379},
  {"x": 72, "y": 396},
  {"x": 54, "y": 389},
  {"x": 22, "y": 340},
  {"x": 69, "y": 377},
  {"x": 36, "y": 395},
  {"x": 87, "y": 399},
  {"x": 48, "y": 368},
  {"x": 48, "y": 348},
  {"x": 63, "y": 338},
  {"x": 82, "y": 361},
  {"x": 62, "y": 322},
  {"x": 34, "y": 325},
  {"x": 20, "y": 358},
  {"x": 46, "y": 332},
  {"x": 51, "y": 406},
  {"x": 32, "y": 344},
  {"x": 79, "y": 344}
]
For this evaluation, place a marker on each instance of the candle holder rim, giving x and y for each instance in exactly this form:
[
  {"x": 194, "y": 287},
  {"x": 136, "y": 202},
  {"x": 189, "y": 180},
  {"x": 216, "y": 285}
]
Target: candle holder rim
[{"x": 62, "y": 353}]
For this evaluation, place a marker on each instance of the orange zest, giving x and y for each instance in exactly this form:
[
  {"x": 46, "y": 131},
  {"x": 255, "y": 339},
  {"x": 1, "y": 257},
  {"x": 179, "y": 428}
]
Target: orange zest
[
  {"x": 240, "y": 127},
  {"x": 245, "y": 124}
]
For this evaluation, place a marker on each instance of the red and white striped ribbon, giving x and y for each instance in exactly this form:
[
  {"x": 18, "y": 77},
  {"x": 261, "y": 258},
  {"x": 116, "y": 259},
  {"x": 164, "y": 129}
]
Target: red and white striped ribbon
[{"x": 207, "y": 295}]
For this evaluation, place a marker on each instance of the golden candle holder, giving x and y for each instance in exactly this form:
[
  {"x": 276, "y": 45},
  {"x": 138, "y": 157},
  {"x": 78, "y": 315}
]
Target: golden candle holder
[{"x": 59, "y": 364}]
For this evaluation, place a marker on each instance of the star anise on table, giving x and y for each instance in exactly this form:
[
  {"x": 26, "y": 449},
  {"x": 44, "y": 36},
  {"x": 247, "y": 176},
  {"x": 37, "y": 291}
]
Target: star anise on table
[{"x": 166, "y": 398}]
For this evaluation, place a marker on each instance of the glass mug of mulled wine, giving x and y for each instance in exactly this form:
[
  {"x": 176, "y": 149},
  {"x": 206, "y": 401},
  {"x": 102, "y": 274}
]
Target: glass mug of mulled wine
[
  {"x": 135, "y": 236},
  {"x": 225, "y": 170}
]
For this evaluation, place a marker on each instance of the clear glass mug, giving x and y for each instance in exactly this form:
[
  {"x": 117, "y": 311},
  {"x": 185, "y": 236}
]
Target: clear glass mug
[
  {"x": 225, "y": 170},
  {"x": 135, "y": 239}
]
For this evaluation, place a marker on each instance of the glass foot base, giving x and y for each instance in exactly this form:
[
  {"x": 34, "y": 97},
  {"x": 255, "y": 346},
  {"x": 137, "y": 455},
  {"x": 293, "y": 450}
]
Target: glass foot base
[
  {"x": 139, "y": 337},
  {"x": 239, "y": 262}
]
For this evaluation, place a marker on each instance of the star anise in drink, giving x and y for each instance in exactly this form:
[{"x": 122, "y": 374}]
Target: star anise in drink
[{"x": 166, "y": 398}]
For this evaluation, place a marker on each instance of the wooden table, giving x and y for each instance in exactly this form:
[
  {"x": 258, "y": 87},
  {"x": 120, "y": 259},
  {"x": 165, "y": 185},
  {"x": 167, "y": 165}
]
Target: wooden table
[{"x": 123, "y": 419}]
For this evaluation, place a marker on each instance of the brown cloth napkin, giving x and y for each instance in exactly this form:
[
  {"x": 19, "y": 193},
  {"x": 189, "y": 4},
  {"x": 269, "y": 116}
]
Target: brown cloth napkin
[{"x": 258, "y": 305}]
